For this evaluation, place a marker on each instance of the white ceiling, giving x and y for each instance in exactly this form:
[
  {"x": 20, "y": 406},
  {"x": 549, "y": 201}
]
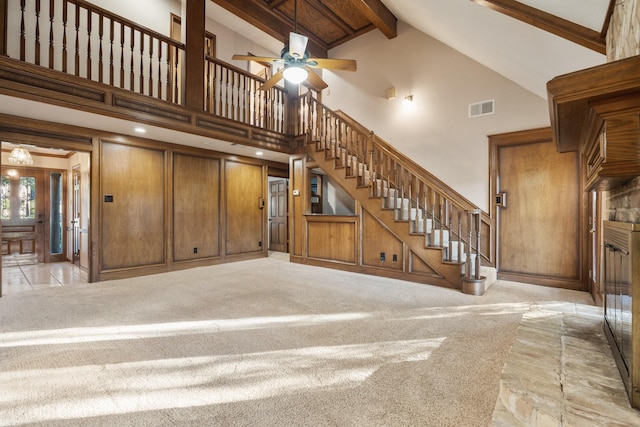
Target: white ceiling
[
  {"x": 588, "y": 13},
  {"x": 518, "y": 51}
]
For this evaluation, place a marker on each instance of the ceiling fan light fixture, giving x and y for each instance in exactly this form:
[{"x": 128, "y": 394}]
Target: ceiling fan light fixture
[
  {"x": 297, "y": 45},
  {"x": 294, "y": 74}
]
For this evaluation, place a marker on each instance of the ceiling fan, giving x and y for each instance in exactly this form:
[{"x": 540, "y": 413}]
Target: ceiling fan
[{"x": 297, "y": 63}]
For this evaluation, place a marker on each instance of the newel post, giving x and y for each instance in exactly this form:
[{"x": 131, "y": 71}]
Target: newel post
[
  {"x": 3, "y": 26},
  {"x": 193, "y": 32}
]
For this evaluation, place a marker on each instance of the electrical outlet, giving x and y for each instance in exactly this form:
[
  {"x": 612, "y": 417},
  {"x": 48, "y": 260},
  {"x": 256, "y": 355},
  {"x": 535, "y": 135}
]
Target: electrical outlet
[
  {"x": 382, "y": 256},
  {"x": 395, "y": 257},
  {"x": 195, "y": 250},
  {"x": 260, "y": 244}
]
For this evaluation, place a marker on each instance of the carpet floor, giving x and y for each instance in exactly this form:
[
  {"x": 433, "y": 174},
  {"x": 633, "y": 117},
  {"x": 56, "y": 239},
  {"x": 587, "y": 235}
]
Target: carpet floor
[{"x": 262, "y": 342}]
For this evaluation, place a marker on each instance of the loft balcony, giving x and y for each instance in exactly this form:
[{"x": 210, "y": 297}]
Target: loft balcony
[{"x": 74, "y": 54}]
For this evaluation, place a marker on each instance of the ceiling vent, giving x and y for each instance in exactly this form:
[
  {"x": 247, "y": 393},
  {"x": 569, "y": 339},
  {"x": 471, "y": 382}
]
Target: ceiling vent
[{"x": 482, "y": 108}]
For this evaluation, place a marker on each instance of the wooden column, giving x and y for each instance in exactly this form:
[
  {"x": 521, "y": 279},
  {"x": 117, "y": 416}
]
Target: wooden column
[
  {"x": 193, "y": 32},
  {"x": 3, "y": 28}
]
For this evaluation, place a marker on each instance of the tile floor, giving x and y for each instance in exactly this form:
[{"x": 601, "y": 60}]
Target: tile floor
[{"x": 27, "y": 277}]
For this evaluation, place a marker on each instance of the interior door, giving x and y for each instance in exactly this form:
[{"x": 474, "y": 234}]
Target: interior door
[
  {"x": 278, "y": 215},
  {"x": 23, "y": 215},
  {"x": 539, "y": 214}
]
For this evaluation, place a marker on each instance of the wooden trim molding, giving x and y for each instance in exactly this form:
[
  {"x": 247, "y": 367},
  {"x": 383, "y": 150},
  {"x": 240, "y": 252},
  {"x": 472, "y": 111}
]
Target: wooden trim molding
[{"x": 545, "y": 21}]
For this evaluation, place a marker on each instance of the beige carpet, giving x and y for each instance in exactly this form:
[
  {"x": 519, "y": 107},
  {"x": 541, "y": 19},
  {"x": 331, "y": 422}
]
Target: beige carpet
[{"x": 264, "y": 343}]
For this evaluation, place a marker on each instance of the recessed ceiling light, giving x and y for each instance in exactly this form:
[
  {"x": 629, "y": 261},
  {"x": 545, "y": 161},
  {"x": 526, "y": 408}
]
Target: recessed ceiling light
[
  {"x": 259, "y": 153},
  {"x": 140, "y": 129}
]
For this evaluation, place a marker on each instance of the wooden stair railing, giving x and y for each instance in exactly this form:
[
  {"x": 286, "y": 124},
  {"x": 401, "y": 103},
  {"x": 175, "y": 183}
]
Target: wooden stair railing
[{"x": 431, "y": 209}]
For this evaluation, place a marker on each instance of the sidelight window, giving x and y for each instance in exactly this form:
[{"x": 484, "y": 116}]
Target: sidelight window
[{"x": 27, "y": 197}]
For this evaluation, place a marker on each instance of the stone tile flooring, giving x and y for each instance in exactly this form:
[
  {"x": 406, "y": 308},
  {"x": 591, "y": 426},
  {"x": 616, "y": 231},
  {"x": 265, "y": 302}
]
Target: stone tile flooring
[
  {"x": 560, "y": 372},
  {"x": 20, "y": 278}
]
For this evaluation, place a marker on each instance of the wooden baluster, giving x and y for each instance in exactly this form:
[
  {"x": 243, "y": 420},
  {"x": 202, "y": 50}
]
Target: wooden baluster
[
  {"x": 467, "y": 267},
  {"x": 160, "y": 70},
  {"x": 100, "y": 49},
  {"x": 121, "y": 56},
  {"x": 51, "y": 42},
  {"x": 151, "y": 85},
  {"x": 22, "y": 31},
  {"x": 227, "y": 102},
  {"x": 64, "y": 36},
  {"x": 207, "y": 89},
  {"x": 168, "y": 89},
  {"x": 37, "y": 44},
  {"x": 176, "y": 81},
  {"x": 76, "y": 58},
  {"x": 89, "y": 64},
  {"x": 447, "y": 216},
  {"x": 235, "y": 92},
  {"x": 132, "y": 80},
  {"x": 460, "y": 236},
  {"x": 478, "y": 224},
  {"x": 219, "y": 86},
  {"x": 440, "y": 217},
  {"x": 141, "y": 62},
  {"x": 111, "y": 36}
]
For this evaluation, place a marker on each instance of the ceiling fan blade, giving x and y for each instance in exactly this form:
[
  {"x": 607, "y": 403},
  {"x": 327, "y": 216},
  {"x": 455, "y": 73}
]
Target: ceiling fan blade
[
  {"x": 272, "y": 81},
  {"x": 315, "y": 82},
  {"x": 297, "y": 44},
  {"x": 334, "y": 64},
  {"x": 255, "y": 58}
]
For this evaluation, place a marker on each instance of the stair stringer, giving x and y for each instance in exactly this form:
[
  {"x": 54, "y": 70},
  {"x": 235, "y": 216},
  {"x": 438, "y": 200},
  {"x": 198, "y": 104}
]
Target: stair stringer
[{"x": 446, "y": 274}]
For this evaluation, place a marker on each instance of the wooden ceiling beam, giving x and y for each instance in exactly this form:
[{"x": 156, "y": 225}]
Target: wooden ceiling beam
[
  {"x": 380, "y": 15},
  {"x": 571, "y": 31},
  {"x": 260, "y": 15}
]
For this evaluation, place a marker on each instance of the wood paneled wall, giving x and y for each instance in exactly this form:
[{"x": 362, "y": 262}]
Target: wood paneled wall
[
  {"x": 175, "y": 207},
  {"x": 196, "y": 207},
  {"x": 133, "y": 206},
  {"x": 349, "y": 242},
  {"x": 245, "y": 207}
]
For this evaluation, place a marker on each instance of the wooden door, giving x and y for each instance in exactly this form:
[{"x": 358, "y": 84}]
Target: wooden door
[
  {"x": 539, "y": 223},
  {"x": 23, "y": 216},
  {"x": 278, "y": 215}
]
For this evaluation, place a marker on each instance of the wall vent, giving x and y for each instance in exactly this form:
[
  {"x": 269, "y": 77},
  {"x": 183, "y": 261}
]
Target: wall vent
[{"x": 482, "y": 108}]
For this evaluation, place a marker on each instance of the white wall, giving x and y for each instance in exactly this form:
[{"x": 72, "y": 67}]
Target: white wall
[
  {"x": 435, "y": 131},
  {"x": 153, "y": 14},
  {"x": 335, "y": 201}
]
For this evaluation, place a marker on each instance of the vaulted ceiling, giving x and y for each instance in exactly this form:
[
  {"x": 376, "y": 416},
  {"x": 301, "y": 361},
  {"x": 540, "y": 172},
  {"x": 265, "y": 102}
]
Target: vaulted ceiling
[{"x": 527, "y": 41}]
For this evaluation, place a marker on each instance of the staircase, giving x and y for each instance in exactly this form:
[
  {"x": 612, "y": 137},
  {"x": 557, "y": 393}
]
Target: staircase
[{"x": 441, "y": 228}]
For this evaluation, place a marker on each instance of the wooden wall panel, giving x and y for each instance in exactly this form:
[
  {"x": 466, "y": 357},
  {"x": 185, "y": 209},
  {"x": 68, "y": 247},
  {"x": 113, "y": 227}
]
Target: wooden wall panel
[
  {"x": 196, "y": 207},
  {"x": 244, "y": 189},
  {"x": 133, "y": 225},
  {"x": 376, "y": 238},
  {"x": 332, "y": 238}
]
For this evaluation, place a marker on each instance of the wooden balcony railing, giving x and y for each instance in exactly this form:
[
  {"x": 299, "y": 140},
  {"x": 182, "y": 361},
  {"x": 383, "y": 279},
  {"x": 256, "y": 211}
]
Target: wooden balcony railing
[
  {"x": 430, "y": 206},
  {"x": 79, "y": 38},
  {"x": 233, "y": 93}
]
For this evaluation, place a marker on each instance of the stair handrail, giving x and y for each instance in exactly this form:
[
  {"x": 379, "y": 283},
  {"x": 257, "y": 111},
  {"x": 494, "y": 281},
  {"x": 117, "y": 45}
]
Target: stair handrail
[{"x": 443, "y": 195}]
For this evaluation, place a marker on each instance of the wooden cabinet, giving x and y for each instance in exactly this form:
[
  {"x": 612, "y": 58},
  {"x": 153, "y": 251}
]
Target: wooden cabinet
[
  {"x": 622, "y": 301},
  {"x": 597, "y": 111}
]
